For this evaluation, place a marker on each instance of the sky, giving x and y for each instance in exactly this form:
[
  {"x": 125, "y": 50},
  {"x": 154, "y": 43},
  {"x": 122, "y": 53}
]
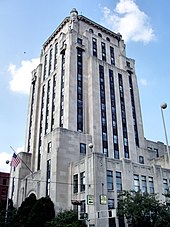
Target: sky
[{"x": 26, "y": 25}]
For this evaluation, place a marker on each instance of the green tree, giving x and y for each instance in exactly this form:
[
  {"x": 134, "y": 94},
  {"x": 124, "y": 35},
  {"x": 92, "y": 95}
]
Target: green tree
[
  {"x": 66, "y": 218},
  {"x": 24, "y": 211},
  {"x": 41, "y": 212},
  {"x": 143, "y": 210}
]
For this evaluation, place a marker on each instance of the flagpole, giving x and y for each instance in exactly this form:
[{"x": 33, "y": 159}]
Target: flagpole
[
  {"x": 7, "y": 202},
  {"x": 23, "y": 161}
]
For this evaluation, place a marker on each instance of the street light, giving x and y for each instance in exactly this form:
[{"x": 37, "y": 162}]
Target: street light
[{"x": 164, "y": 106}]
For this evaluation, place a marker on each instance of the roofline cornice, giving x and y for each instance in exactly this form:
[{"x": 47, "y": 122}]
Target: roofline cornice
[{"x": 87, "y": 20}]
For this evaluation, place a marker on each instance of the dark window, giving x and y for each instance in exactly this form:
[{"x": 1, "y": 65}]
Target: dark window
[
  {"x": 50, "y": 62},
  {"x": 109, "y": 180},
  {"x": 111, "y": 204},
  {"x": 108, "y": 39},
  {"x": 4, "y": 182},
  {"x": 100, "y": 35},
  {"x": 165, "y": 186},
  {"x": 75, "y": 183},
  {"x": 118, "y": 181},
  {"x": 82, "y": 148},
  {"x": 47, "y": 107},
  {"x": 82, "y": 181},
  {"x": 103, "y": 51},
  {"x": 112, "y": 57},
  {"x": 79, "y": 90},
  {"x": 144, "y": 184},
  {"x": 151, "y": 185},
  {"x": 122, "y": 102},
  {"x": 103, "y": 110},
  {"x": 55, "y": 55},
  {"x": 94, "y": 41},
  {"x": 136, "y": 183},
  {"x": 83, "y": 206},
  {"x": 41, "y": 128},
  {"x": 48, "y": 177},
  {"x": 49, "y": 148},
  {"x": 79, "y": 40},
  {"x": 141, "y": 159},
  {"x": 113, "y": 113},
  {"x": 91, "y": 30},
  {"x": 133, "y": 110},
  {"x": 62, "y": 87},
  {"x": 45, "y": 67},
  {"x": 156, "y": 152},
  {"x": 53, "y": 102}
]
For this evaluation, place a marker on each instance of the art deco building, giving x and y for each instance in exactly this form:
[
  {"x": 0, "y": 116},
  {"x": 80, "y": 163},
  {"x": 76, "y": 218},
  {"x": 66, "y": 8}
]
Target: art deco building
[{"x": 84, "y": 139}]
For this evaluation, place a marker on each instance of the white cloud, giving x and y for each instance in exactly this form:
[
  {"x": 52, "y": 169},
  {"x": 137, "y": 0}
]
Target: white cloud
[
  {"x": 4, "y": 156},
  {"x": 21, "y": 77},
  {"x": 127, "y": 19},
  {"x": 144, "y": 82}
]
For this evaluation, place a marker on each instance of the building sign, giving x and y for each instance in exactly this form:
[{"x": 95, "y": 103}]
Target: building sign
[
  {"x": 103, "y": 199},
  {"x": 90, "y": 199}
]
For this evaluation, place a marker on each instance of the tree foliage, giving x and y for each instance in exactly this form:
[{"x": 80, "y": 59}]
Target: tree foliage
[
  {"x": 41, "y": 212},
  {"x": 143, "y": 210},
  {"x": 66, "y": 218}
]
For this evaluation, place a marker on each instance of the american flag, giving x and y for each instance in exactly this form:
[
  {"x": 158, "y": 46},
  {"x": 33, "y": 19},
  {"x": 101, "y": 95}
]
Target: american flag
[{"x": 15, "y": 160}]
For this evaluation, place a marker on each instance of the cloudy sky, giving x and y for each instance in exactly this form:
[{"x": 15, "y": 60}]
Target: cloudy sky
[{"x": 25, "y": 26}]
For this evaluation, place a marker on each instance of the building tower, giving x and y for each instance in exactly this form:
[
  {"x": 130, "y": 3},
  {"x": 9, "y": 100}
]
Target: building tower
[{"x": 84, "y": 139}]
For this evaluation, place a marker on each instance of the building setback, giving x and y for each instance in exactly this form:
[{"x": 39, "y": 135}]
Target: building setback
[{"x": 84, "y": 138}]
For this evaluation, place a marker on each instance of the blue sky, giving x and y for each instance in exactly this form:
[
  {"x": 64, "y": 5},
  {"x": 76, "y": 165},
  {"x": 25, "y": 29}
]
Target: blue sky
[{"x": 25, "y": 26}]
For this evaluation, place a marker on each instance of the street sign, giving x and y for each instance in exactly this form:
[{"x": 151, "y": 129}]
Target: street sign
[
  {"x": 103, "y": 199},
  {"x": 90, "y": 199},
  {"x": 83, "y": 216}
]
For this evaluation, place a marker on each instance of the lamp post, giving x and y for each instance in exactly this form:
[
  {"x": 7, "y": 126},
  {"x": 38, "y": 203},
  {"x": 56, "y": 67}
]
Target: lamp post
[{"x": 164, "y": 106}]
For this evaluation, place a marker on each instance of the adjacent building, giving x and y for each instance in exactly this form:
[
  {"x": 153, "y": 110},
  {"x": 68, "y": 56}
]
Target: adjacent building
[
  {"x": 4, "y": 184},
  {"x": 85, "y": 141}
]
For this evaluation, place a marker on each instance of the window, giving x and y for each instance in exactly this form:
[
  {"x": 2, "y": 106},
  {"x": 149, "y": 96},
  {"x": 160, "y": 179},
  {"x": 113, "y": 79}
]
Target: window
[
  {"x": 61, "y": 91},
  {"x": 112, "y": 58},
  {"x": 94, "y": 41},
  {"x": 136, "y": 183},
  {"x": 109, "y": 180},
  {"x": 55, "y": 55},
  {"x": 75, "y": 183},
  {"x": 82, "y": 148},
  {"x": 50, "y": 62},
  {"x": 4, "y": 182},
  {"x": 133, "y": 110},
  {"x": 151, "y": 185},
  {"x": 103, "y": 110},
  {"x": 83, "y": 206},
  {"x": 111, "y": 204},
  {"x": 91, "y": 30},
  {"x": 124, "y": 126},
  {"x": 45, "y": 67},
  {"x": 48, "y": 177},
  {"x": 144, "y": 184},
  {"x": 82, "y": 181},
  {"x": 103, "y": 51},
  {"x": 108, "y": 39},
  {"x": 141, "y": 159},
  {"x": 128, "y": 64},
  {"x": 100, "y": 35},
  {"x": 49, "y": 147},
  {"x": 79, "y": 41},
  {"x": 118, "y": 181},
  {"x": 79, "y": 90},
  {"x": 165, "y": 186},
  {"x": 156, "y": 152}
]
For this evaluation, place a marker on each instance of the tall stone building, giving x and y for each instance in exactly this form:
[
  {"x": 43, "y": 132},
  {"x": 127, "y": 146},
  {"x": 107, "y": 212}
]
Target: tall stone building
[{"x": 84, "y": 139}]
